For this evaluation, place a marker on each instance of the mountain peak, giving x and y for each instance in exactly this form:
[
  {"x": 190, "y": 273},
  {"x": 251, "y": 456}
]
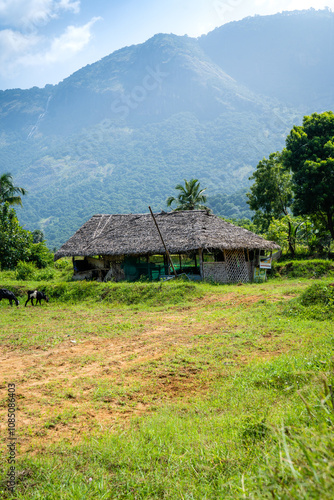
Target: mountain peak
[{"x": 287, "y": 56}]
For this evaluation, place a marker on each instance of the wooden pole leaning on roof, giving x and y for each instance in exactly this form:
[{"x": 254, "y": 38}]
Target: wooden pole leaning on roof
[{"x": 167, "y": 253}]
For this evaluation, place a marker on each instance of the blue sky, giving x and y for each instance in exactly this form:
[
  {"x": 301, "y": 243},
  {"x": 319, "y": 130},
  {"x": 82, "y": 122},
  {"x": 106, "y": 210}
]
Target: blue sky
[{"x": 44, "y": 41}]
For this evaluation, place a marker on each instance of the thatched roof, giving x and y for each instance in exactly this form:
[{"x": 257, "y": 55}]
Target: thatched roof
[{"x": 137, "y": 235}]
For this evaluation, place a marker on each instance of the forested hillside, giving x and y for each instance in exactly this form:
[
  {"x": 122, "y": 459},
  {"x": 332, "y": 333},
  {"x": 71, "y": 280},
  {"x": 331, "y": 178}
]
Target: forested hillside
[{"x": 118, "y": 135}]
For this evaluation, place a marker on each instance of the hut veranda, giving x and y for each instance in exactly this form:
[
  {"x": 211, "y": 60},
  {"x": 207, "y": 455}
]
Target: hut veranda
[{"x": 201, "y": 245}]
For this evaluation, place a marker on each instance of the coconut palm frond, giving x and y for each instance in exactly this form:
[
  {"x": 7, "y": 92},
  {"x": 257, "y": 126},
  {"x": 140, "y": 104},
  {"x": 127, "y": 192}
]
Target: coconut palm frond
[
  {"x": 8, "y": 192},
  {"x": 190, "y": 197}
]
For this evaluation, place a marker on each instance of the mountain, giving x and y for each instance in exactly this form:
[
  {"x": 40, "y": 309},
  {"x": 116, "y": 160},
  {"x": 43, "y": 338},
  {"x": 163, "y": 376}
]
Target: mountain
[
  {"x": 286, "y": 56},
  {"x": 119, "y": 134},
  {"x": 144, "y": 84}
]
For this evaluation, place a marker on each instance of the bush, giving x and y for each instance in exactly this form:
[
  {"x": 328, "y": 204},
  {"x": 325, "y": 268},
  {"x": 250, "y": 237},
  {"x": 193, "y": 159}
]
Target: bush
[
  {"x": 315, "y": 268},
  {"x": 25, "y": 271},
  {"x": 46, "y": 274},
  {"x": 64, "y": 264},
  {"x": 40, "y": 255},
  {"x": 148, "y": 294},
  {"x": 316, "y": 302},
  {"x": 318, "y": 294},
  {"x": 15, "y": 242}
]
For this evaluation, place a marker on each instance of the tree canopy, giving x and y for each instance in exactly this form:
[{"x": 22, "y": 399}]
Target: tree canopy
[
  {"x": 190, "y": 197},
  {"x": 300, "y": 179},
  {"x": 15, "y": 242},
  {"x": 309, "y": 154},
  {"x": 271, "y": 197},
  {"x": 271, "y": 194}
]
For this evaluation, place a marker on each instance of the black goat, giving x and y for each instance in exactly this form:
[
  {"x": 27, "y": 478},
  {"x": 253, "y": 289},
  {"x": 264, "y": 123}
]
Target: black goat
[
  {"x": 35, "y": 294},
  {"x": 6, "y": 294}
]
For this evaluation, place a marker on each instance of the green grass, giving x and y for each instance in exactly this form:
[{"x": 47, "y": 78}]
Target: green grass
[
  {"x": 307, "y": 268},
  {"x": 147, "y": 294},
  {"x": 254, "y": 436},
  {"x": 257, "y": 421}
]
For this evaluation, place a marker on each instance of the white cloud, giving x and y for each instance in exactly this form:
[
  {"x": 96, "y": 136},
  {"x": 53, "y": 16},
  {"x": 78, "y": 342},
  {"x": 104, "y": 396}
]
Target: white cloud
[
  {"x": 13, "y": 42},
  {"x": 73, "y": 5},
  {"x": 12, "y": 45},
  {"x": 30, "y": 13},
  {"x": 21, "y": 52},
  {"x": 72, "y": 41}
]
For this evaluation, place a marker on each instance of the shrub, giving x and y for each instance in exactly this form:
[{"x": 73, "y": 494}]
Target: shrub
[
  {"x": 25, "y": 270},
  {"x": 318, "y": 294},
  {"x": 315, "y": 268},
  {"x": 316, "y": 302},
  {"x": 64, "y": 264},
  {"x": 148, "y": 294},
  {"x": 15, "y": 242},
  {"x": 46, "y": 274},
  {"x": 40, "y": 255}
]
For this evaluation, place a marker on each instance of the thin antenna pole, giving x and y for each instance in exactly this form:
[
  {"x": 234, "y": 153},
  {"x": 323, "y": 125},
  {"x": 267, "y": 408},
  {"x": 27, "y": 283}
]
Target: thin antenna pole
[{"x": 167, "y": 253}]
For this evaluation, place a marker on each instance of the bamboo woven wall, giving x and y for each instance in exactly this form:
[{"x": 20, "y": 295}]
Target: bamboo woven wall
[{"x": 235, "y": 269}]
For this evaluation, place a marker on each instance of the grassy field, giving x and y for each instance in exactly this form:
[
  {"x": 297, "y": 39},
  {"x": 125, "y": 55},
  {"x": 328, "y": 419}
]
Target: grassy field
[{"x": 170, "y": 391}]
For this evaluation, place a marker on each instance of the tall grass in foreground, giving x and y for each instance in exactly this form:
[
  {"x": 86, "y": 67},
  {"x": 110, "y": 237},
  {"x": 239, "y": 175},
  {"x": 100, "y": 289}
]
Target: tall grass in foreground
[{"x": 263, "y": 431}]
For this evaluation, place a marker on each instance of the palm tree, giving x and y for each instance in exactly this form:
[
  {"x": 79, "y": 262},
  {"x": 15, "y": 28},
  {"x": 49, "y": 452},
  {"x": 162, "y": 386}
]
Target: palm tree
[
  {"x": 9, "y": 192},
  {"x": 190, "y": 197}
]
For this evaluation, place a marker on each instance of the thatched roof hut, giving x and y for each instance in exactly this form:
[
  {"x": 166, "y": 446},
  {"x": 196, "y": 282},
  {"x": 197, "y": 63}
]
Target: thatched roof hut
[
  {"x": 118, "y": 238},
  {"x": 136, "y": 234}
]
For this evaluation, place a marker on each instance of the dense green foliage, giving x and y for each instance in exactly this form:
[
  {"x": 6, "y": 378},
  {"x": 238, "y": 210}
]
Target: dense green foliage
[
  {"x": 301, "y": 179},
  {"x": 309, "y": 154},
  {"x": 308, "y": 268},
  {"x": 14, "y": 240},
  {"x": 318, "y": 294},
  {"x": 297, "y": 234},
  {"x": 271, "y": 193},
  {"x": 16, "y": 243}
]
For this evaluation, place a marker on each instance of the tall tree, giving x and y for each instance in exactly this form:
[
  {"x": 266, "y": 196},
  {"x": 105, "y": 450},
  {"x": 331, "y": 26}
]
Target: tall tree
[
  {"x": 15, "y": 242},
  {"x": 8, "y": 192},
  {"x": 309, "y": 154},
  {"x": 271, "y": 195},
  {"x": 190, "y": 197}
]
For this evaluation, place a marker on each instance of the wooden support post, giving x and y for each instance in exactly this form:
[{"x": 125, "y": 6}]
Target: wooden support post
[
  {"x": 167, "y": 253},
  {"x": 201, "y": 267}
]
